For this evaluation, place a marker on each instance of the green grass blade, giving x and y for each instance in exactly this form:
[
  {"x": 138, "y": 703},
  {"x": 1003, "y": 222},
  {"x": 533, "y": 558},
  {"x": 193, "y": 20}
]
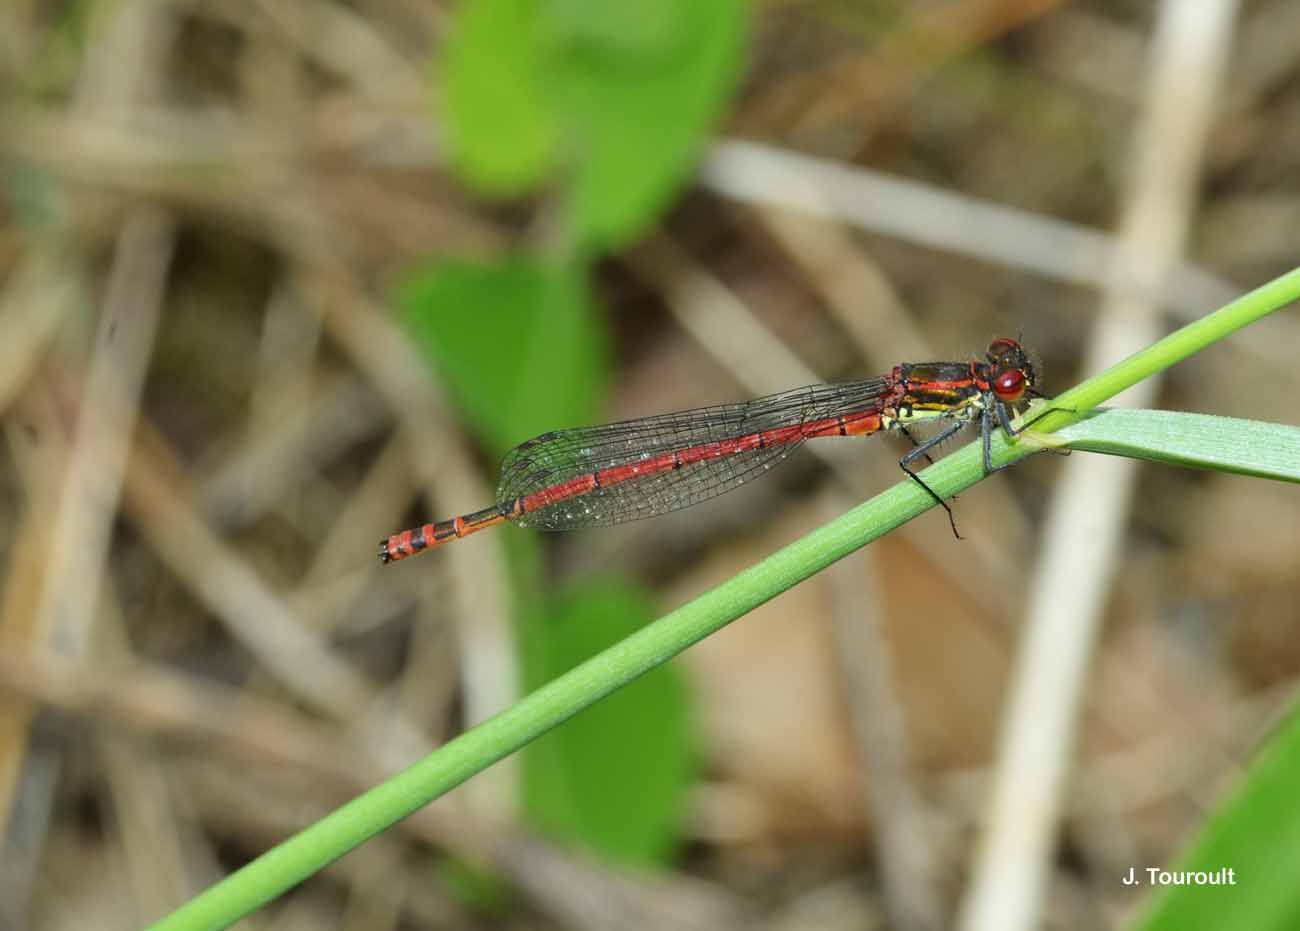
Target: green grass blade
[
  {"x": 1175, "y": 347},
  {"x": 1256, "y": 835},
  {"x": 1198, "y": 441}
]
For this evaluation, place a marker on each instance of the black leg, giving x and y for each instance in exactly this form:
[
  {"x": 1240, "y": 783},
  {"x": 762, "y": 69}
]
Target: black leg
[
  {"x": 924, "y": 450},
  {"x": 1005, "y": 420},
  {"x": 986, "y": 433},
  {"x": 1038, "y": 416},
  {"x": 907, "y": 433}
]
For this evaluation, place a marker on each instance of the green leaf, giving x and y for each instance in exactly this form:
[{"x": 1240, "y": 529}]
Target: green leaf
[
  {"x": 1256, "y": 835},
  {"x": 474, "y": 886},
  {"x": 622, "y": 93},
  {"x": 519, "y": 344},
  {"x": 614, "y": 778},
  {"x": 632, "y": 27},
  {"x": 1200, "y": 441},
  {"x": 502, "y": 132},
  {"x": 638, "y": 110}
]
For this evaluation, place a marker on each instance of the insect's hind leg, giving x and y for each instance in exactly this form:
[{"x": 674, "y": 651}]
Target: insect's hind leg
[
  {"x": 915, "y": 444},
  {"x": 928, "y": 444},
  {"x": 924, "y": 450}
]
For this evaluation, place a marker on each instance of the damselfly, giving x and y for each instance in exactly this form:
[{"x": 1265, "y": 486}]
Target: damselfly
[{"x": 598, "y": 476}]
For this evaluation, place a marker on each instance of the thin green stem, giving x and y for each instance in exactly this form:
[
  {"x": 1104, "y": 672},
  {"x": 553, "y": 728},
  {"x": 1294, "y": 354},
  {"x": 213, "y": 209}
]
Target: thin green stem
[
  {"x": 1173, "y": 348},
  {"x": 334, "y": 835}
]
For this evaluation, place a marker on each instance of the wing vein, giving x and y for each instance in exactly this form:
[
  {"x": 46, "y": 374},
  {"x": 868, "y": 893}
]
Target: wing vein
[{"x": 549, "y": 460}]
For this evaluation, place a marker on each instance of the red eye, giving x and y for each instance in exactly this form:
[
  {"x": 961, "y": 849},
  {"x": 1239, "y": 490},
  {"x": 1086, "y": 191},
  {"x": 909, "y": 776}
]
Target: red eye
[
  {"x": 1009, "y": 386},
  {"x": 1002, "y": 346}
]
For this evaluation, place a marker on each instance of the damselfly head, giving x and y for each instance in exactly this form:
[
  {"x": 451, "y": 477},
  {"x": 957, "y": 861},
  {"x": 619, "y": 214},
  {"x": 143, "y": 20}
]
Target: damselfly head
[{"x": 1011, "y": 373}]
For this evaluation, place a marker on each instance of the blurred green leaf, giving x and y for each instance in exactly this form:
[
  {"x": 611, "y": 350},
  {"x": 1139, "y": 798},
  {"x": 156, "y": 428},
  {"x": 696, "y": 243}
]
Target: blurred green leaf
[
  {"x": 1200, "y": 441},
  {"x": 632, "y": 27},
  {"x": 638, "y": 114},
  {"x": 620, "y": 95},
  {"x": 614, "y": 778},
  {"x": 475, "y": 887},
  {"x": 501, "y": 128},
  {"x": 1256, "y": 835},
  {"x": 519, "y": 344}
]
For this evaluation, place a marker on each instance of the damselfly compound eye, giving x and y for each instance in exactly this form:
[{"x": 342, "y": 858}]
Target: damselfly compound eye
[{"x": 1009, "y": 386}]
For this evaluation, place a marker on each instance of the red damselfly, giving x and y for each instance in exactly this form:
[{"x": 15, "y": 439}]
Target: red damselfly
[{"x": 598, "y": 476}]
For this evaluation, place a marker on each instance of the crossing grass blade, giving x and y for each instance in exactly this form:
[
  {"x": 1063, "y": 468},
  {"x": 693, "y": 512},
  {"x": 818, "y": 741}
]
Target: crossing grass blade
[
  {"x": 1256, "y": 835},
  {"x": 1198, "y": 441}
]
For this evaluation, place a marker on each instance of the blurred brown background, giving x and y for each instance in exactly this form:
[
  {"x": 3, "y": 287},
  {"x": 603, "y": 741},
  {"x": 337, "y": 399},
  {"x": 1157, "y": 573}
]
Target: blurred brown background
[{"x": 210, "y": 416}]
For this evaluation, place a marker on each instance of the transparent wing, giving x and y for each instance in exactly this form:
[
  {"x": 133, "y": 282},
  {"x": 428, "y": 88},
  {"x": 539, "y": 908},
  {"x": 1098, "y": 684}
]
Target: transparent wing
[{"x": 553, "y": 458}]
